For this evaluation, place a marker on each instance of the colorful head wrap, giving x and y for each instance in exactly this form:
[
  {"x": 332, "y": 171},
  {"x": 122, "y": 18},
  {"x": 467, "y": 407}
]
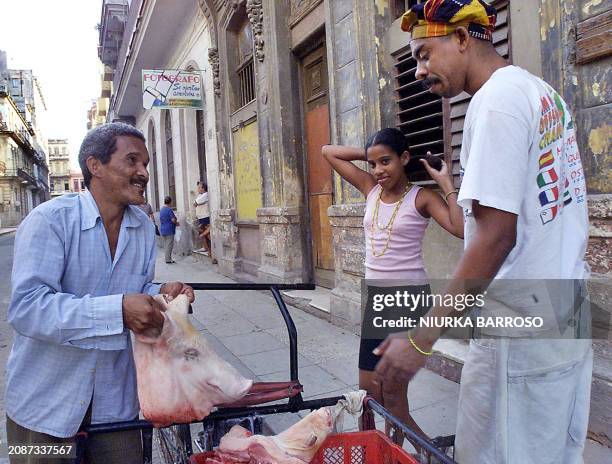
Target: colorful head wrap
[{"x": 436, "y": 18}]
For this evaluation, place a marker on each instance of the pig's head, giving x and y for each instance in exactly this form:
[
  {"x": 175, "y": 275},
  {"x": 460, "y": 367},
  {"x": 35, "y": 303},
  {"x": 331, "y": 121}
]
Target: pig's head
[{"x": 201, "y": 378}]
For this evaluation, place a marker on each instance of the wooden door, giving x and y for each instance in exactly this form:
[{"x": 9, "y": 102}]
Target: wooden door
[{"x": 319, "y": 172}]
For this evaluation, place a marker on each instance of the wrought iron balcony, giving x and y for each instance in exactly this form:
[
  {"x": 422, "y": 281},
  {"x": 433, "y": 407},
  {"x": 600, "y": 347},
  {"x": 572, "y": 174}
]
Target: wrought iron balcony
[{"x": 23, "y": 175}]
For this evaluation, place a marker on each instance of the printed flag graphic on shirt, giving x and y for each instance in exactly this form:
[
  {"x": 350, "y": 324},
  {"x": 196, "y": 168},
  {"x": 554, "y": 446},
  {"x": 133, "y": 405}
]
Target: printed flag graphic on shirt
[
  {"x": 549, "y": 196},
  {"x": 547, "y": 177},
  {"x": 546, "y": 159},
  {"x": 567, "y": 196},
  {"x": 549, "y": 214}
]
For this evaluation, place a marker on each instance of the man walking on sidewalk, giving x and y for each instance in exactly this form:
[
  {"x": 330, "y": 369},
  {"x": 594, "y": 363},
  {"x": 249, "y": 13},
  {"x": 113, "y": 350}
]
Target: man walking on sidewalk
[
  {"x": 522, "y": 400},
  {"x": 167, "y": 228},
  {"x": 82, "y": 280}
]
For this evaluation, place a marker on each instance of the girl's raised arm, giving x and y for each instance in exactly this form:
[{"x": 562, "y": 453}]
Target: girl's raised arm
[{"x": 340, "y": 157}]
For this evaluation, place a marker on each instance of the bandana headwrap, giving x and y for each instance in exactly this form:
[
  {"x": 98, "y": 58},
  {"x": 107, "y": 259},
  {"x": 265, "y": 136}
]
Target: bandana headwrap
[{"x": 436, "y": 18}]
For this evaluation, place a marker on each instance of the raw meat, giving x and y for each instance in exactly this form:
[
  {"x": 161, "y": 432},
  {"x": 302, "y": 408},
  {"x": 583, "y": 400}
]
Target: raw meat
[
  {"x": 180, "y": 378},
  {"x": 296, "y": 445}
]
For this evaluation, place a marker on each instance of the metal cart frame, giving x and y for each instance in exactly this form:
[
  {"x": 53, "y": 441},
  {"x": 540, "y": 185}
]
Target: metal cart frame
[{"x": 250, "y": 414}]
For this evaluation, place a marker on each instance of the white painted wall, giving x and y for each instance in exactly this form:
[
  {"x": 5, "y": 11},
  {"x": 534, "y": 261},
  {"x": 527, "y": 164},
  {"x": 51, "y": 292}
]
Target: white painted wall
[{"x": 189, "y": 49}]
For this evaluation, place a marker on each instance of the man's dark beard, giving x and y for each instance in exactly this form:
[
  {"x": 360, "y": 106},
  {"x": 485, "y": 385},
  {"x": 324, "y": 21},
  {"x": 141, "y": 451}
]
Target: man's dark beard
[{"x": 429, "y": 82}]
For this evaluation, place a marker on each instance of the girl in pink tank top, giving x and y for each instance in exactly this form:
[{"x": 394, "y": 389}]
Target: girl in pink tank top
[{"x": 396, "y": 216}]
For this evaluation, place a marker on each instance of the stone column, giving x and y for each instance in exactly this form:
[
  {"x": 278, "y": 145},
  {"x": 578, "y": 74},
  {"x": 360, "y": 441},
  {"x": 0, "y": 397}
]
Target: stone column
[
  {"x": 281, "y": 219},
  {"x": 358, "y": 78},
  {"x": 281, "y": 231},
  {"x": 349, "y": 253},
  {"x": 227, "y": 233}
]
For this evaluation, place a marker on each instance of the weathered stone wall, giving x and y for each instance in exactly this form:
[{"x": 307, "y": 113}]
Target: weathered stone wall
[
  {"x": 349, "y": 255},
  {"x": 227, "y": 233},
  {"x": 283, "y": 245},
  {"x": 584, "y": 85},
  {"x": 599, "y": 255},
  {"x": 360, "y": 92}
]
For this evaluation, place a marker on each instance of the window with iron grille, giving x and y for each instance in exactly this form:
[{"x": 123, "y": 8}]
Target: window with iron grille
[
  {"x": 246, "y": 68},
  {"x": 247, "y": 83}
]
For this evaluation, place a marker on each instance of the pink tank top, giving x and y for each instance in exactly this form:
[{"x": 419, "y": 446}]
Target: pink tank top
[{"x": 403, "y": 258}]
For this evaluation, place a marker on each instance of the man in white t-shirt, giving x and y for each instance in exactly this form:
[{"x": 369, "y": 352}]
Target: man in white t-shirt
[
  {"x": 522, "y": 400},
  {"x": 203, "y": 215}
]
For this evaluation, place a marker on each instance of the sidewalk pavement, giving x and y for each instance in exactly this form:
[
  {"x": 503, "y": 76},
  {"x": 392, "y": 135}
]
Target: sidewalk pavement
[{"x": 246, "y": 329}]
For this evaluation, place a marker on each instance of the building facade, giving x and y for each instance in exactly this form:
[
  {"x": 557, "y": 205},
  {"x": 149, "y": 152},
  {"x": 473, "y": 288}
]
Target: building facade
[
  {"x": 59, "y": 167},
  {"x": 21, "y": 91},
  {"x": 181, "y": 142},
  {"x": 22, "y": 164},
  {"x": 77, "y": 182},
  {"x": 281, "y": 79}
]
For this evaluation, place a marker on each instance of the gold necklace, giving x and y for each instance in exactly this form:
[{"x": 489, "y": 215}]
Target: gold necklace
[{"x": 389, "y": 226}]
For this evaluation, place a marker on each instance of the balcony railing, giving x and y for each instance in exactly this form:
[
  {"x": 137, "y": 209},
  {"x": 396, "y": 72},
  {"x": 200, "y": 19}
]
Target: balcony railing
[
  {"x": 59, "y": 173},
  {"x": 21, "y": 136},
  {"x": 25, "y": 176}
]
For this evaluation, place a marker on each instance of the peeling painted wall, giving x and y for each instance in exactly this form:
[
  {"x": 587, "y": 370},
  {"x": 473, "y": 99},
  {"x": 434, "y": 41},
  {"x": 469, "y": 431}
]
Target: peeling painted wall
[
  {"x": 247, "y": 172},
  {"x": 600, "y": 159},
  {"x": 585, "y": 87}
]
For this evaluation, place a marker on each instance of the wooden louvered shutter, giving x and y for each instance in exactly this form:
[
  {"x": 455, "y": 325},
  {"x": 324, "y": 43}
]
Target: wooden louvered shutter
[
  {"x": 455, "y": 108},
  {"x": 419, "y": 113}
]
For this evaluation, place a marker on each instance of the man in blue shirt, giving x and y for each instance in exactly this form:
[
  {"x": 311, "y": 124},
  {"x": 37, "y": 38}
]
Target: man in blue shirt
[
  {"x": 167, "y": 228},
  {"x": 82, "y": 280}
]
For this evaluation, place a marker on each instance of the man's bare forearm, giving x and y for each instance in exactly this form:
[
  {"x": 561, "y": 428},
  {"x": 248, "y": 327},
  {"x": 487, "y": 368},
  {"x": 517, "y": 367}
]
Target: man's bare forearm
[{"x": 478, "y": 266}]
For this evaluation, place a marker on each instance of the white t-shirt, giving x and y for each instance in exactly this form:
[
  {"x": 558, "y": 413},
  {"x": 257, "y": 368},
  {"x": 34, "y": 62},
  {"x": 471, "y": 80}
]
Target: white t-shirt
[
  {"x": 520, "y": 155},
  {"x": 202, "y": 209}
]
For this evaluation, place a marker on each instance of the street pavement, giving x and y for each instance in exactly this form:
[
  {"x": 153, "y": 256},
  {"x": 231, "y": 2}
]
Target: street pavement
[{"x": 246, "y": 329}]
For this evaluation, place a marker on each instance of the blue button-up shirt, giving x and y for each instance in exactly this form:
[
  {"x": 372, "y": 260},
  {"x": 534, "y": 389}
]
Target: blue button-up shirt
[{"x": 70, "y": 345}]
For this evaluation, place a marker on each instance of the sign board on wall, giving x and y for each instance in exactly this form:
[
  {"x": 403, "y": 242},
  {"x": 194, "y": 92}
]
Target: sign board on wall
[{"x": 171, "y": 88}]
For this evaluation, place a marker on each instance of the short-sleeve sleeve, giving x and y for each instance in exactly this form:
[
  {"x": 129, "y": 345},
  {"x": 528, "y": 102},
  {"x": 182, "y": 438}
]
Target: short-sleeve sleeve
[{"x": 497, "y": 161}]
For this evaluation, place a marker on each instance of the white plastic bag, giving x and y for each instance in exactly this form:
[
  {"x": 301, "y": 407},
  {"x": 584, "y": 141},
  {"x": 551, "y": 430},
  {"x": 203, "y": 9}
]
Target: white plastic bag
[{"x": 177, "y": 235}]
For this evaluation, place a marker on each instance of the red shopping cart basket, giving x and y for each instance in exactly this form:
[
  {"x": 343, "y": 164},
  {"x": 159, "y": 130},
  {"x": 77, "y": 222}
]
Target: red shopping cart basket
[{"x": 371, "y": 447}]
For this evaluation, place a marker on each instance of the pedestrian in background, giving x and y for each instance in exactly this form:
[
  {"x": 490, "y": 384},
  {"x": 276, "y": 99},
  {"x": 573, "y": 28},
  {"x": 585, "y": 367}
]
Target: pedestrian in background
[
  {"x": 168, "y": 224},
  {"x": 148, "y": 209},
  {"x": 203, "y": 216}
]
